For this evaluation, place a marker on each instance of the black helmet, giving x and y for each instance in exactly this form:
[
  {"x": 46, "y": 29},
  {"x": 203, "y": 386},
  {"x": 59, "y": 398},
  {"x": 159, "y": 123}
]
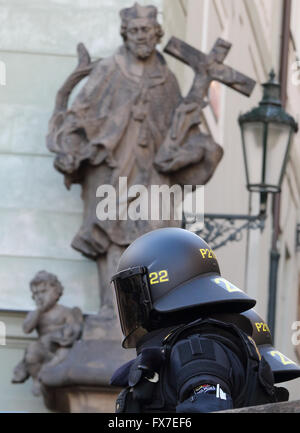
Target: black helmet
[
  {"x": 284, "y": 369},
  {"x": 169, "y": 270}
]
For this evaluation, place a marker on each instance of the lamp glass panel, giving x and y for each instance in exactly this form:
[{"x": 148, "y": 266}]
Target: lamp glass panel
[
  {"x": 278, "y": 140},
  {"x": 253, "y": 133}
]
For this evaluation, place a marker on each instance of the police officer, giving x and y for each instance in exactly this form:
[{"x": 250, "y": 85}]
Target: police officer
[
  {"x": 283, "y": 368},
  {"x": 169, "y": 293}
]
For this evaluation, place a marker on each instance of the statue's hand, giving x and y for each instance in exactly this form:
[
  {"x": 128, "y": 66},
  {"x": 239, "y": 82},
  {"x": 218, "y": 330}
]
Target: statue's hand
[
  {"x": 175, "y": 159},
  {"x": 180, "y": 115},
  {"x": 65, "y": 163},
  {"x": 66, "y": 336}
]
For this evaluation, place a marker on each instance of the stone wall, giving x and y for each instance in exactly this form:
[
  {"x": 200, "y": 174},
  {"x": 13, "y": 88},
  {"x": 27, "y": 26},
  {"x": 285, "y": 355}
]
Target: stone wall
[
  {"x": 38, "y": 216},
  {"x": 254, "y": 29}
]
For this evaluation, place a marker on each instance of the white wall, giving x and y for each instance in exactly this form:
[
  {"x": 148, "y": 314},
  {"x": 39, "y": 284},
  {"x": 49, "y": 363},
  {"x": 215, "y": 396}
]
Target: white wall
[
  {"x": 38, "y": 216},
  {"x": 254, "y": 28}
]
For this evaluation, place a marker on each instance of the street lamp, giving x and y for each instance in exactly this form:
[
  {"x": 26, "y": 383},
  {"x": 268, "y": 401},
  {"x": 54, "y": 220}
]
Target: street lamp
[{"x": 267, "y": 133}]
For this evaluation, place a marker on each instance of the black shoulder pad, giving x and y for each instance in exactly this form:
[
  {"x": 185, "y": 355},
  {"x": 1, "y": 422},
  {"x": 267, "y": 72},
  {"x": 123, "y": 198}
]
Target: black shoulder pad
[{"x": 196, "y": 358}]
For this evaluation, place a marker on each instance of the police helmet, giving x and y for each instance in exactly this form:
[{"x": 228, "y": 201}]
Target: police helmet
[
  {"x": 166, "y": 271},
  {"x": 284, "y": 369}
]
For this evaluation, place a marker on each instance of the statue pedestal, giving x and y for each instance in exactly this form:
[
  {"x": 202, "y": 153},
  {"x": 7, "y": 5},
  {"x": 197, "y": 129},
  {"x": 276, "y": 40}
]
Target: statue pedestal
[
  {"x": 80, "y": 382},
  {"x": 80, "y": 399}
]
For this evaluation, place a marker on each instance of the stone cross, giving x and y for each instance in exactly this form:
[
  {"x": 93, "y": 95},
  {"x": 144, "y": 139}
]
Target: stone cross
[{"x": 209, "y": 68}]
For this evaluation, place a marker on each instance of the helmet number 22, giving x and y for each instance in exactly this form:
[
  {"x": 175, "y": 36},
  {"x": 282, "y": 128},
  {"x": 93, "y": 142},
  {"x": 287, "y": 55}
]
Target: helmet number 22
[{"x": 159, "y": 277}]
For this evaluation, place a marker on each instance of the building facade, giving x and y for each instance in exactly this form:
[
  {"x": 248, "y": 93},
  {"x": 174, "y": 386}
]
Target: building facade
[{"x": 38, "y": 216}]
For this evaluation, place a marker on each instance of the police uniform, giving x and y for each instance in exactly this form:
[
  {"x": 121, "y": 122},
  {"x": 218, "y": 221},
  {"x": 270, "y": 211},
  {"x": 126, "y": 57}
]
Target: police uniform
[{"x": 195, "y": 349}]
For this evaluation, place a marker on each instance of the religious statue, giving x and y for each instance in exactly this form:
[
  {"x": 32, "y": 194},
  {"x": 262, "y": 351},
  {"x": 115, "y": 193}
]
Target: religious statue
[
  {"x": 58, "y": 327},
  {"x": 129, "y": 120}
]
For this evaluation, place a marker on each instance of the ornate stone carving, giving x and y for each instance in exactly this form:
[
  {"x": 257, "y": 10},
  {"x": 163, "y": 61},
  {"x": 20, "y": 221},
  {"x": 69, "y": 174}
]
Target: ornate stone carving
[
  {"x": 129, "y": 120},
  {"x": 58, "y": 327}
]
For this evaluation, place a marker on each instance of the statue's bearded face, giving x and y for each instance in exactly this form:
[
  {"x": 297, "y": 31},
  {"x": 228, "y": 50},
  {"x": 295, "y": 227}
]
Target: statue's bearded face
[{"x": 141, "y": 37}]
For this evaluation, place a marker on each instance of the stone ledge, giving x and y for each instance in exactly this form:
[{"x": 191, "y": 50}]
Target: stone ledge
[
  {"x": 80, "y": 399},
  {"x": 88, "y": 399},
  {"x": 286, "y": 407}
]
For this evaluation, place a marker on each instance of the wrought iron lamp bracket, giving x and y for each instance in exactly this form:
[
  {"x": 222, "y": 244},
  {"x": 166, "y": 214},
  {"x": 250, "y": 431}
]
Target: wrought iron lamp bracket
[{"x": 219, "y": 229}]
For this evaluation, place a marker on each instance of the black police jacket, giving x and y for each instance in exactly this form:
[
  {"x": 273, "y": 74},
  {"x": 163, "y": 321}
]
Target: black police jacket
[{"x": 204, "y": 366}]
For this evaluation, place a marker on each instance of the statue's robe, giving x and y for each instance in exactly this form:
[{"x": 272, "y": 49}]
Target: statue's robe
[{"x": 120, "y": 126}]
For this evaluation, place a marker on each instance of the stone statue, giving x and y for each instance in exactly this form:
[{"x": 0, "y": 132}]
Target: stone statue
[
  {"x": 58, "y": 327},
  {"x": 130, "y": 120}
]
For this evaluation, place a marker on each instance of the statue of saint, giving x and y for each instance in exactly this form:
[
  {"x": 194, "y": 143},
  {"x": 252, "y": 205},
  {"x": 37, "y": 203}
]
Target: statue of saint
[{"x": 129, "y": 120}]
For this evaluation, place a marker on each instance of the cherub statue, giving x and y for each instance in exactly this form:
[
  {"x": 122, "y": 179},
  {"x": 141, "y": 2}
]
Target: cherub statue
[{"x": 58, "y": 327}]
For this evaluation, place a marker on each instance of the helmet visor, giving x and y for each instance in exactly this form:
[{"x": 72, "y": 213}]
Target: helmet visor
[{"x": 133, "y": 300}]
